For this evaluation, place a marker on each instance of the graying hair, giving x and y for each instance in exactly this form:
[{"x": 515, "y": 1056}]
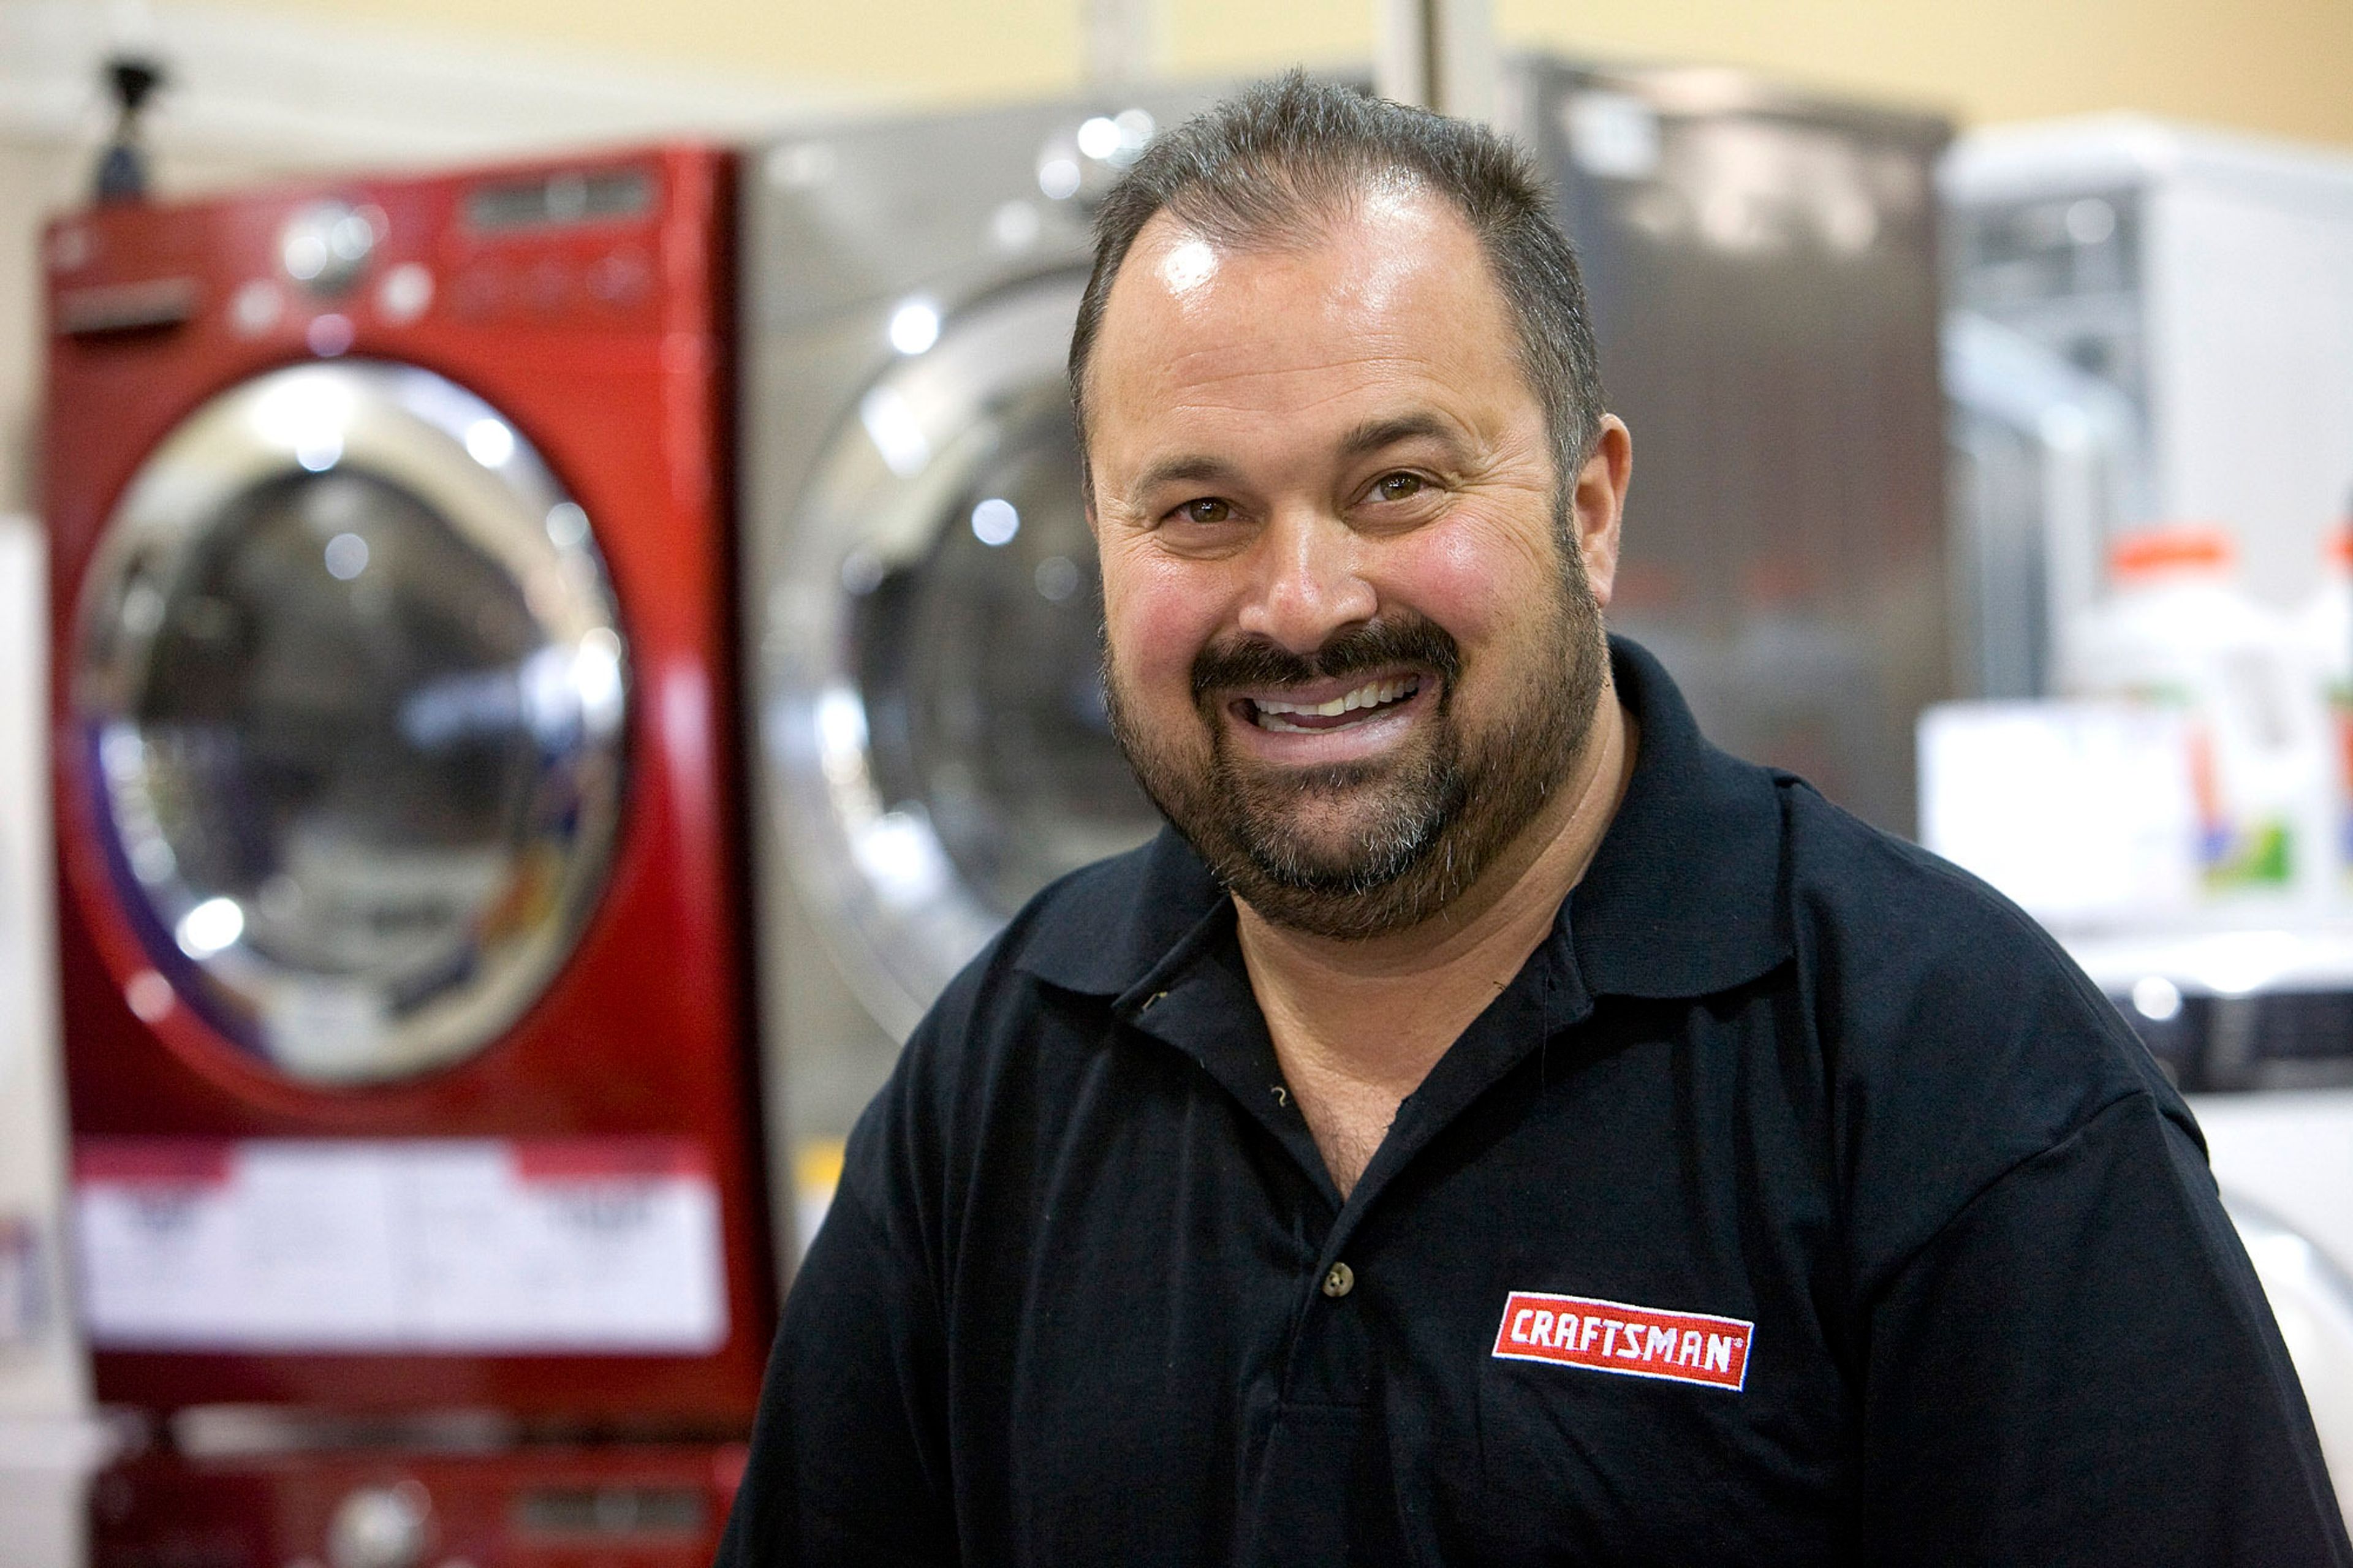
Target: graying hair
[{"x": 1279, "y": 161}]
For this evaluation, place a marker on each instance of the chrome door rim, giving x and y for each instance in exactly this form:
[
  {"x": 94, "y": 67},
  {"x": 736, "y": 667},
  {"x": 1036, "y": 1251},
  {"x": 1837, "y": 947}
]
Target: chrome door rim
[
  {"x": 901, "y": 919},
  {"x": 477, "y": 474}
]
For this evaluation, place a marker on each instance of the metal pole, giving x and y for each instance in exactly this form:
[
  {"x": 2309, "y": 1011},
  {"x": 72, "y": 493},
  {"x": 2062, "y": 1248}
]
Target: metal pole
[
  {"x": 1438, "y": 54},
  {"x": 1119, "y": 40}
]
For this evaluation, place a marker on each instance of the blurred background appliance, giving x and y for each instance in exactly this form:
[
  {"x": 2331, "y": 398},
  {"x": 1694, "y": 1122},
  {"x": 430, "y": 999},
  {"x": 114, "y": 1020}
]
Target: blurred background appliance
[
  {"x": 922, "y": 596},
  {"x": 2150, "y": 324},
  {"x": 1763, "y": 273},
  {"x": 401, "y": 930},
  {"x": 590, "y": 1505},
  {"x": 2312, "y": 1298},
  {"x": 49, "y": 1440}
]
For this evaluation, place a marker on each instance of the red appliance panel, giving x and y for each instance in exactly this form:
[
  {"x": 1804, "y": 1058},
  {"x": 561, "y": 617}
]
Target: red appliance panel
[
  {"x": 615, "y": 1507},
  {"x": 602, "y": 341}
]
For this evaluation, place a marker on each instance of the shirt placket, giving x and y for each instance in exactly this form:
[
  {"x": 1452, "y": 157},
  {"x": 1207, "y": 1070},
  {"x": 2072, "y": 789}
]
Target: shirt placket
[{"x": 1317, "y": 1476}]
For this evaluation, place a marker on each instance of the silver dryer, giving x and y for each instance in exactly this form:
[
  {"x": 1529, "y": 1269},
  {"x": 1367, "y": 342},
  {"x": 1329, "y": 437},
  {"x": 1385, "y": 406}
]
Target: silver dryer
[{"x": 923, "y": 607}]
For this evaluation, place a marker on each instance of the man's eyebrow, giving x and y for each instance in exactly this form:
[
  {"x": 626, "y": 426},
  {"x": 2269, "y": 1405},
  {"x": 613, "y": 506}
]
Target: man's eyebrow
[
  {"x": 1374, "y": 435},
  {"x": 1184, "y": 468}
]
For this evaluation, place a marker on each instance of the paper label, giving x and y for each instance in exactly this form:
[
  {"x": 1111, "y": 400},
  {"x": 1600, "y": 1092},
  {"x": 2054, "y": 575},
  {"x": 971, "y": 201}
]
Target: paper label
[{"x": 550, "y": 1246}]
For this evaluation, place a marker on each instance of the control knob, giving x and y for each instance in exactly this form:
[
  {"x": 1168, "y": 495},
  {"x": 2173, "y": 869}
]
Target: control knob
[
  {"x": 325, "y": 245},
  {"x": 379, "y": 1526}
]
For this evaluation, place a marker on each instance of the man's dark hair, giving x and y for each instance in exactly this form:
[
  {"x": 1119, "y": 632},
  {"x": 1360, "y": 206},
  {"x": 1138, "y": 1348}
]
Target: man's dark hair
[{"x": 1279, "y": 160}]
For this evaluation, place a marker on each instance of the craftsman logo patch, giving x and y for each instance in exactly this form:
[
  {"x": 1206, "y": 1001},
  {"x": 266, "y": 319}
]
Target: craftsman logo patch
[{"x": 1611, "y": 1336}]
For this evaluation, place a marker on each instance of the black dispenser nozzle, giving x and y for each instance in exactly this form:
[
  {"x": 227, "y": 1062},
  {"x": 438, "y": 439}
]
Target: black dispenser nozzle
[{"x": 123, "y": 171}]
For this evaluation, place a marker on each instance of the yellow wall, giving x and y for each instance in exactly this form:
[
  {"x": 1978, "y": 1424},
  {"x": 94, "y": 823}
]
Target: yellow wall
[{"x": 2280, "y": 66}]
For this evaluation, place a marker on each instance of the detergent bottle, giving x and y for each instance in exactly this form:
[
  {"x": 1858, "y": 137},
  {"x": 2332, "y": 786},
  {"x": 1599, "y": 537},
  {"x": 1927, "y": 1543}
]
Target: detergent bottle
[
  {"x": 2321, "y": 630},
  {"x": 2175, "y": 630}
]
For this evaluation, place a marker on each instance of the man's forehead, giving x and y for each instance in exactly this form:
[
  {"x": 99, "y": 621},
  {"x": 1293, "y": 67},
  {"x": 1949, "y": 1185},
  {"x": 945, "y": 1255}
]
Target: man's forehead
[
  {"x": 1398, "y": 275},
  {"x": 1378, "y": 229},
  {"x": 1293, "y": 211}
]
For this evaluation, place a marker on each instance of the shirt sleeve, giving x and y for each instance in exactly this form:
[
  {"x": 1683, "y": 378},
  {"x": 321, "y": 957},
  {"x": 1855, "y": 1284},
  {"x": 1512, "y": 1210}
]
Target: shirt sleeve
[
  {"x": 848, "y": 1463},
  {"x": 2080, "y": 1368}
]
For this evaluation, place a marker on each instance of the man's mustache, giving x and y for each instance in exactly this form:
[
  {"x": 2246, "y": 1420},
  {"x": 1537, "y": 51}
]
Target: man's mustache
[{"x": 1254, "y": 662}]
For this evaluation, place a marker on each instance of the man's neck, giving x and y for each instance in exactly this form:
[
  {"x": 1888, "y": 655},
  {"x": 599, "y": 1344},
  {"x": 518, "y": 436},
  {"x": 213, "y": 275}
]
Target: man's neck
[{"x": 1357, "y": 1025}]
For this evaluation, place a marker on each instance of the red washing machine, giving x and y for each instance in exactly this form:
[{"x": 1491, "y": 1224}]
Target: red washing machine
[
  {"x": 402, "y": 891},
  {"x": 590, "y": 1505}
]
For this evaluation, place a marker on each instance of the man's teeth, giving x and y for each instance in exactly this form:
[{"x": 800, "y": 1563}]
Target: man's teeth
[{"x": 1372, "y": 694}]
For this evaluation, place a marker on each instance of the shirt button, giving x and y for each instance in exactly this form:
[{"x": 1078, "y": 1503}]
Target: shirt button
[{"x": 1339, "y": 1282}]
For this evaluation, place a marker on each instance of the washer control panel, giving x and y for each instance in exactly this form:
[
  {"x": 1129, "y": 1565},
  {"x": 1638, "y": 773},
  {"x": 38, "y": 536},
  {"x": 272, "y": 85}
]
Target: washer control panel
[{"x": 572, "y": 248}]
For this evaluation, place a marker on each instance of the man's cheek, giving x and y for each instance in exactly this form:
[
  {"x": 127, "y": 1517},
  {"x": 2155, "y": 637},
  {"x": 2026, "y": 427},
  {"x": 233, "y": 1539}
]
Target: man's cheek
[
  {"x": 1156, "y": 634},
  {"x": 1457, "y": 580}
]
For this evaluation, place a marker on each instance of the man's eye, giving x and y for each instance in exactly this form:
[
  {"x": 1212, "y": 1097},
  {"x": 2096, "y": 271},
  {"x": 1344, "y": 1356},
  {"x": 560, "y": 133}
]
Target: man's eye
[
  {"x": 1207, "y": 510},
  {"x": 1397, "y": 487}
]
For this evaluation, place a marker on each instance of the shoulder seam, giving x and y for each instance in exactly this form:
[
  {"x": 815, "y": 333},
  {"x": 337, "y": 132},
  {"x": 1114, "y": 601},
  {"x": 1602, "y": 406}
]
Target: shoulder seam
[
  {"x": 1988, "y": 898},
  {"x": 2090, "y": 1119}
]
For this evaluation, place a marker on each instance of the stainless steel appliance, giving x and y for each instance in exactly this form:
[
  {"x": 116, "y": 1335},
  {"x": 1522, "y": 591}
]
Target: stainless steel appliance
[
  {"x": 1762, "y": 271},
  {"x": 922, "y": 600}
]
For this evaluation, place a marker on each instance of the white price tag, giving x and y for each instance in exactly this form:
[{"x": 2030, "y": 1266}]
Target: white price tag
[{"x": 456, "y": 1245}]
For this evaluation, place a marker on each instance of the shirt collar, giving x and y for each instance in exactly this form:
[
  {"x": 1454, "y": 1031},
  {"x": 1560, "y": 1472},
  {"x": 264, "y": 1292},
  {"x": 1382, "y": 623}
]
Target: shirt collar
[
  {"x": 1680, "y": 901},
  {"x": 1683, "y": 897}
]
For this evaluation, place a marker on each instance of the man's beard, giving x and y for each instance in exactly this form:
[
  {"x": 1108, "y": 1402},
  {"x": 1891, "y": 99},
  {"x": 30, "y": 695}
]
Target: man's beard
[{"x": 1431, "y": 820}]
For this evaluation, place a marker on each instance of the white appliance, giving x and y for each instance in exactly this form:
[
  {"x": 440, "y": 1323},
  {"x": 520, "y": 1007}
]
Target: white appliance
[
  {"x": 49, "y": 1441},
  {"x": 2150, "y": 324}
]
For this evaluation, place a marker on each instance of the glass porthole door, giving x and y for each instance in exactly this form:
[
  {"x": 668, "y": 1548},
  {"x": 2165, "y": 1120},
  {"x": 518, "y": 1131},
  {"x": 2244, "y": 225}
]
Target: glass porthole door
[
  {"x": 351, "y": 694},
  {"x": 934, "y": 709}
]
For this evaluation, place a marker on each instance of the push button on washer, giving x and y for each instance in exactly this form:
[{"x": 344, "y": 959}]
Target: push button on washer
[{"x": 1339, "y": 1282}]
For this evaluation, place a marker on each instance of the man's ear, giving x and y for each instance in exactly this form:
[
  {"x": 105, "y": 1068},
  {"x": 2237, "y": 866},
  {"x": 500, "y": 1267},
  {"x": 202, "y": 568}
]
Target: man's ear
[{"x": 1598, "y": 504}]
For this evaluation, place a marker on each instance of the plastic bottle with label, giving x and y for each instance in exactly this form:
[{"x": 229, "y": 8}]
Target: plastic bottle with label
[
  {"x": 2175, "y": 630},
  {"x": 2321, "y": 630}
]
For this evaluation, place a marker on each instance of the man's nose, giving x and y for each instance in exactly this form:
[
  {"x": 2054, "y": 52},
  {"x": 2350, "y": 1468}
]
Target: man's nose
[{"x": 1307, "y": 582}]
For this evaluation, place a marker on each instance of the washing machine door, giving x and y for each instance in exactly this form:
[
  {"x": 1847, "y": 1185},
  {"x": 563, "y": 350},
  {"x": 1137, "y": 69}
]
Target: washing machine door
[
  {"x": 350, "y": 690},
  {"x": 935, "y": 716}
]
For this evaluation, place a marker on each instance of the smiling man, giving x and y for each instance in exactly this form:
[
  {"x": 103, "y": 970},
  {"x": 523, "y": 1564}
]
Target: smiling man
[{"x": 1492, "y": 1126}]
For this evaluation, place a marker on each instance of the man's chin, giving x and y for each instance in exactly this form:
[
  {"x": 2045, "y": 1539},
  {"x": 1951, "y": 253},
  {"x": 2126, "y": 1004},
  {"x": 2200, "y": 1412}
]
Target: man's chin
[
  {"x": 1328, "y": 856},
  {"x": 1345, "y": 902}
]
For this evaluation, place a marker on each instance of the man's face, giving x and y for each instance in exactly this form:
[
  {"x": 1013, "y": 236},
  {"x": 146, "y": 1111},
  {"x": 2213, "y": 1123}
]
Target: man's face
[{"x": 1347, "y": 649}]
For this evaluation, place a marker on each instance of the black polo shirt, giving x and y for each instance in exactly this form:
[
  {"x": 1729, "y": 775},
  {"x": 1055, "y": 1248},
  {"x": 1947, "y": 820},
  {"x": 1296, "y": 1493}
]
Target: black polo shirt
[{"x": 1798, "y": 1203}]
